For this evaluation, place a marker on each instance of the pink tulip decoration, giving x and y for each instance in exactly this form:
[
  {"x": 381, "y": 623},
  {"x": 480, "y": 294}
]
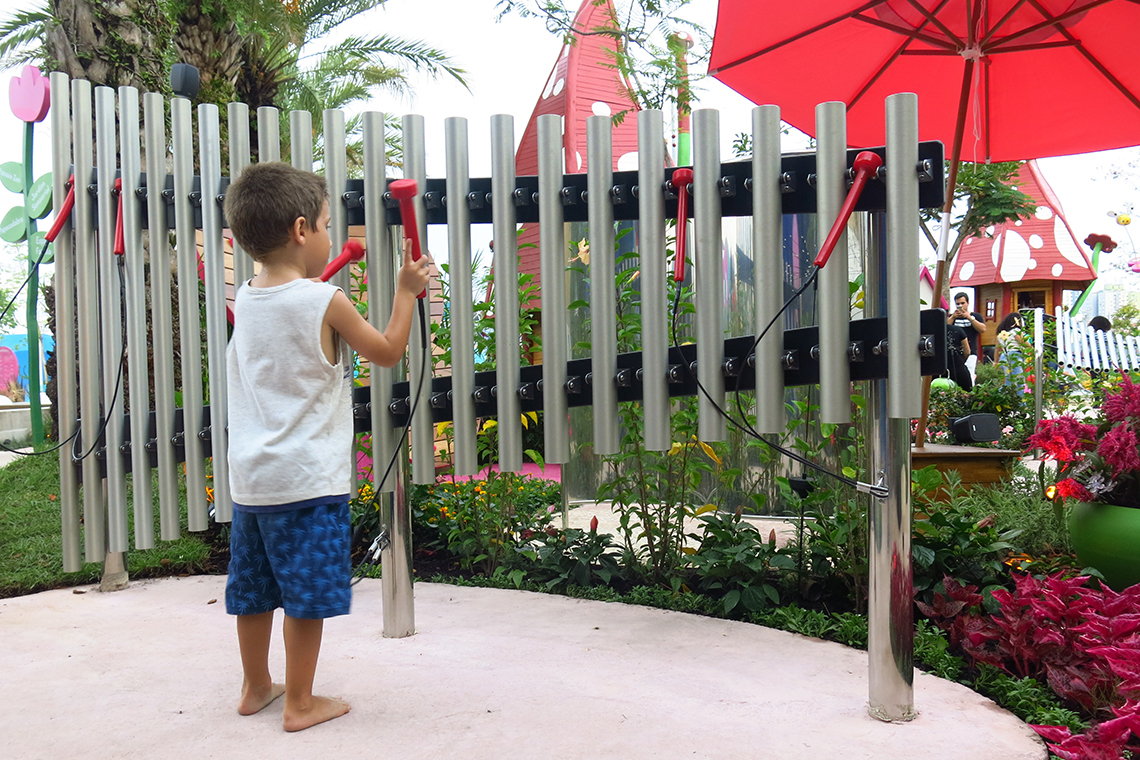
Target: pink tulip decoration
[{"x": 29, "y": 95}]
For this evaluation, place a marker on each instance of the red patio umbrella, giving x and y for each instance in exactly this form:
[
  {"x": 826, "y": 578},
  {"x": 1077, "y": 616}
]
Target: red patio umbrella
[{"x": 1003, "y": 79}]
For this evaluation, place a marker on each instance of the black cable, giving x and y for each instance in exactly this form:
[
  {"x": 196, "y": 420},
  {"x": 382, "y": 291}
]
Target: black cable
[
  {"x": 743, "y": 426},
  {"x": 373, "y": 503},
  {"x": 73, "y": 438}
]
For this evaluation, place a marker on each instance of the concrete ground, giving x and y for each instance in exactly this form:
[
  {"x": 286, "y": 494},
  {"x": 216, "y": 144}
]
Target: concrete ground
[{"x": 153, "y": 672}]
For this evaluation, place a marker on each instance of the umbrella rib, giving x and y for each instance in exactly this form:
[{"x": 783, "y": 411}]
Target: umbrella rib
[
  {"x": 1033, "y": 46},
  {"x": 1128, "y": 94},
  {"x": 793, "y": 38},
  {"x": 934, "y": 20},
  {"x": 1001, "y": 22},
  {"x": 900, "y": 51},
  {"x": 911, "y": 33},
  {"x": 1050, "y": 20}
]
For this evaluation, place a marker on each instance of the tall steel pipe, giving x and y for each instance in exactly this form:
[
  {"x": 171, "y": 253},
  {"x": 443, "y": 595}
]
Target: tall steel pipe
[
  {"x": 381, "y": 287},
  {"x": 603, "y": 289},
  {"x": 654, "y": 295},
  {"x": 214, "y": 273},
  {"x": 768, "y": 268},
  {"x": 552, "y": 263},
  {"x": 507, "y": 347},
  {"x": 834, "y": 297},
  {"x": 709, "y": 266},
  {"x": 66, "y": 405},
  {"x": 135, "y": 308},
  {"x": 111, "y": 320},
  {"x": 419, "y": 357},
  {"x": 87, "y": 311},
  {"x": 237, "y": 115},
  {"x": 890, "y": 617},
  {"x": 268, "y": 134},
  {"x": 162, "y": 322},
  {"x": 466, "y": 461},
  {"x": 189, "y": 324}
]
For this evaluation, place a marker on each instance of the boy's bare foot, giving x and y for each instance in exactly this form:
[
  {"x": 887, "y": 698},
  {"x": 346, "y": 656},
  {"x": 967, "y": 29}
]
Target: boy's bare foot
[
  {"x": 255, "y": 700},
  {"x": 319, "y": 710}
]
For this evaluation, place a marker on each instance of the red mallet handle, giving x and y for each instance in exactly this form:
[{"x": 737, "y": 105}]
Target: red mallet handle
[
  {"x": 866, "y": 164},
  {"x": 64, "y": 211},
  {"x": 351, "y": 251},
  {"x": 405, "y": 191},
  {"x": 680, "y": 181},
  {"x": 120, "y": 246}
]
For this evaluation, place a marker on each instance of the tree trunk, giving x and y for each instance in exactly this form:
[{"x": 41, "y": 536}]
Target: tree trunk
[{"x": 115, "y": 43}]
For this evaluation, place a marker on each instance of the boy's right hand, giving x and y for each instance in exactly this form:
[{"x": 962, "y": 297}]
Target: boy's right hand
[{"x": 414, "y": 275}]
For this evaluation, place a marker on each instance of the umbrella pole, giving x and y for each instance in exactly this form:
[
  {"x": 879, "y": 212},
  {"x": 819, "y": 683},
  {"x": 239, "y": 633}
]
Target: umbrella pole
[{"x": 944, "y": 240}]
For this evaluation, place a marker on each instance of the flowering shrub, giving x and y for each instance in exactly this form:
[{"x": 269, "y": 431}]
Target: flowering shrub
[
  {"x": 1099, "y": 461},
  {"x": 993, "y": 395}
]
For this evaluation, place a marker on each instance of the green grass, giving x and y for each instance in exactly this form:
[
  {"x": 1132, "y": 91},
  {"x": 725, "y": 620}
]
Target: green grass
[{"x": 31, "y": 555}]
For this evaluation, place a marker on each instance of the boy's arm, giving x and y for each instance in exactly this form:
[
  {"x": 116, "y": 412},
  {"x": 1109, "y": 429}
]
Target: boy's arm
[{"x": 383, "y": 348}]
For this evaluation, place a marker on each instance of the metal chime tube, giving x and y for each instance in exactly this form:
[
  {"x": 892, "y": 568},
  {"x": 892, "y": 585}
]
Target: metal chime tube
[
  {"x": 462, "y": 309},
  {"x": 768, "y": 268},
  {"x": 654, "y": 296},
  {"x": 87, "y": 311},
  {"x": 237, "y": 115},
  {"x": 189, "y": 324},
  {"x": 709, "y": 273},
  {"x": 268, "y": 134},
  {"x": 154, "y": 112},
  {"x": 507, "y": 361},
  {"x": 890, "y": 643},
  {"x": 111, "y": 320},
  {"x": 135, "y": 307},
  {"x": 66, "y": 406},
  {"x": 214, "y": 269},
  {"x": 419, "y": 358},
  {"x": 301, "y": 142},
  {"x": 552, "y": 262},
  {"x": 603, "y": 290},
  {"x": 834, "y": 297},
  {"x": 381, "y": 286}
]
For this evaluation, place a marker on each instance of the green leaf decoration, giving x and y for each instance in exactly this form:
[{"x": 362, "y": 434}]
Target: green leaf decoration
[
  {"x": 38, "y": 200},
  {"x": 14, "y": 228},
  {"x": 12, "y": 176},
  {"x": 37, "y": 245}
]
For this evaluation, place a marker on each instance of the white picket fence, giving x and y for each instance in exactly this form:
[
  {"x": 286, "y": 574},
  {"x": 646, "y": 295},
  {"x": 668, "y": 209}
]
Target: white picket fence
[{"x": 1078, "y": 345}]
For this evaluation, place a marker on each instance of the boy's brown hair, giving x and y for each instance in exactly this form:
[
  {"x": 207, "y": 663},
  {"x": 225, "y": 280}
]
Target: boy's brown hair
[{"x": 266, "y": 199}]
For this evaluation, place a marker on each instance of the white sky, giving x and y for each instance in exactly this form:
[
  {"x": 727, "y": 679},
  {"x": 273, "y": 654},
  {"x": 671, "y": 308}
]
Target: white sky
[{"x": 508, "y": 63}]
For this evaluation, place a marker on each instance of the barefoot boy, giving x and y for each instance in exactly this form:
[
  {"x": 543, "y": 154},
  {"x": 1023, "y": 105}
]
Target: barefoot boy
[{"x": 290, "y": 427}]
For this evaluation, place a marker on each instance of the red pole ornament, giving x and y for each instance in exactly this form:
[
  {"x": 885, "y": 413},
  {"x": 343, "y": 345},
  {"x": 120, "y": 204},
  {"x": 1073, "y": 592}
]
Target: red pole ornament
[{"x": 29, "y": 95}]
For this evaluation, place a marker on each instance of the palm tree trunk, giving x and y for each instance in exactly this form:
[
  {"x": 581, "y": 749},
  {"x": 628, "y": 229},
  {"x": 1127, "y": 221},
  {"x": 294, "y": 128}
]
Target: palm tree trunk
[{"x": 114, "y": 44}]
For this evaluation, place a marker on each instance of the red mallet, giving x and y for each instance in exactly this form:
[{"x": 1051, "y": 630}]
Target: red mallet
[
  {"x": 64, "y": 211},
  {"x": 405, "y": 191},
  {"x": 680, "y": 181},
  {"x": 865, "y": 165},
  {"x": 351, "y": 251}
]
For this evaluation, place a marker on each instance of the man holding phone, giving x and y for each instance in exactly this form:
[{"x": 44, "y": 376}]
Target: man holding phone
[{"x": 970, "y": 321}]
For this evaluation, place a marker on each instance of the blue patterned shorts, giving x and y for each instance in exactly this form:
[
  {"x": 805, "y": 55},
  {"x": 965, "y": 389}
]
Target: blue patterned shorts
[{"x": 297, "y": 559}]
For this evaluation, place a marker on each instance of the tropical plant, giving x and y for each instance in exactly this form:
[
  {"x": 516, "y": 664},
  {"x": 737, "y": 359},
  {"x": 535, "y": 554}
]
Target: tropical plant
[
  {"x": 987, "y": 194},
  {"x": 1099, "y": 461}
]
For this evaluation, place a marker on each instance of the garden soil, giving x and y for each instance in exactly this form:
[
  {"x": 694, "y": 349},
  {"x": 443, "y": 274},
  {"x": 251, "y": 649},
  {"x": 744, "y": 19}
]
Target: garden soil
[{"x": 153, "y": 672}]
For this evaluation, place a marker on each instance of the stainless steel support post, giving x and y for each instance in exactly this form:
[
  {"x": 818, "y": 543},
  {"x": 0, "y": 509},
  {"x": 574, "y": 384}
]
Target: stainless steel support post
[
  {"x": 466, "y": 460},
  {"x": 66, "y": 406},
  {"x": 890, "y": 641},
  {"x": 834, "y": 299},
  {"x": 603, "y": 289},
  {"x": 709, "y": 274},
  {"x": 654, "y": 292},
  {"x": 506, "y": 292},
  {"x": 396, "y": 561},
  {"x": 1038, "y": 363}
]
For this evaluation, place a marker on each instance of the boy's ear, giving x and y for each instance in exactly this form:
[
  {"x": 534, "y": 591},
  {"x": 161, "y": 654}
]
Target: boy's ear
[{"x": 297, "y": 231}]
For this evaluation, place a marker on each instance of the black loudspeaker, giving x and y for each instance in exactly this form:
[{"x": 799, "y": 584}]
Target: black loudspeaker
[
  {"x": 184, "y": 81},
  {"x": 976, "y": 428}
]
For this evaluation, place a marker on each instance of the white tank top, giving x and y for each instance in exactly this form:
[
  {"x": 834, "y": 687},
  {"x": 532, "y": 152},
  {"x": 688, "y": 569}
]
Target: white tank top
[{"x": 290, "y": 411}]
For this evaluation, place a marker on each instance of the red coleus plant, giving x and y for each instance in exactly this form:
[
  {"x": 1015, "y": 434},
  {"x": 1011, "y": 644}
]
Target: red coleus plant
[
  {"x": 1099, "y": 461},
  {"x": 1084, "y": 642}
]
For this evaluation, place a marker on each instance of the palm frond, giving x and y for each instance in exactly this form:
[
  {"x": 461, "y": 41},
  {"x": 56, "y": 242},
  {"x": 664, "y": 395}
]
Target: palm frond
[
  {"x": 20, "y": 31},
  {"x": 382, "y": 49}
]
